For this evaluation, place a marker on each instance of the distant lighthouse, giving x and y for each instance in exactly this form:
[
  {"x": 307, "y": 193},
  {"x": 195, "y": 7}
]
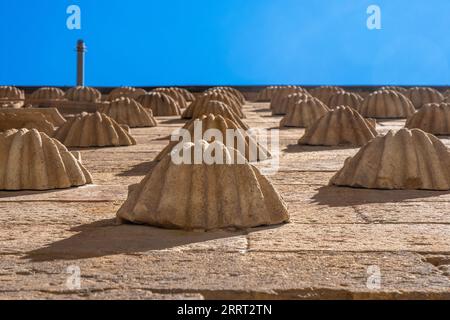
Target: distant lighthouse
[{"x": 81, "y": 49}]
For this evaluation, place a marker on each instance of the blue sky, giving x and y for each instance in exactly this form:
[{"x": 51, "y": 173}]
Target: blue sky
[{"x": 240, "y": 42}]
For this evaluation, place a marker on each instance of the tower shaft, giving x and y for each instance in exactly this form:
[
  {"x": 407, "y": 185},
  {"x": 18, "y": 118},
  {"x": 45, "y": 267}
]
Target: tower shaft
[{"x": 81, "y": 49}]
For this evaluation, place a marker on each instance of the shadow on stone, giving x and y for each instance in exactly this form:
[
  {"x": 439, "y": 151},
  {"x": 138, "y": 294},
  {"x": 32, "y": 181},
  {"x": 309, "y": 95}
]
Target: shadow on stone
[
  {"x": 162, "y": 138},
  {"x": 79, "y": 149},
  {"x": 297, "y": 148},
  {"x": 140, "y": 169},
  {"x": 20, "y": 193},
  {"x": 104, "y": 237},
  {"x": 282, "y": 128},
  {"x": 333, "y": 196},
  {"x": 272, "y": 116},
  {"x": 173, "y": 121}
]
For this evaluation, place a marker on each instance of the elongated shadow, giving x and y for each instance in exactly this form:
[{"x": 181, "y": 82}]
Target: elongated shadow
[
  {"x": 140, "y": 169},
  {"x": 298, "y": 148},
  {"x": 282, "y": 128},
  {"x": 334, "y": 196},
  {"x": 162, "y": 138},
  {"x": 20, "y": 193},
  {"x": 93, "y": 148},
  {"x": 173, "y": 121},
  {"x": 271, "y": 116},
  {"x": 104, "y": 237}
]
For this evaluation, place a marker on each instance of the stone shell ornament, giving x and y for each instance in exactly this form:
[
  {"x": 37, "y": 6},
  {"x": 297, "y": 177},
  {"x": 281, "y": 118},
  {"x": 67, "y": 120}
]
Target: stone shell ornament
[
  {"x": 47, "y": 93},
  {"x": 324, "y": 93},
  {"x": 386, "y": 104},
  {"x": 265, "y": 95},
  {"x": 287, "y": 101},
  {"x": 83, "y": 94},
  {"x": 235, "y": 92},
  {"x": 46, "y": 97},
  {"x": 174, "y": 94},
  {"x": 201, "y": 101},
  {"x": 129, "y": 112},
  {"x": 252, "y": 150},
  {"x": 406, "y": 159},
  {"x": 277, "y": 103},
  {"x": 349, "y": 99},
  {"x": 10, "y": 120},
  {"x": 11, "y": 97},
  {"x": 304, "y": 113},
  {"x": 395, "y": 88},
  {"x": 341, "y": 126},
  {"x": 93, "y": 130},
  {"x": 127, "y": 92},
  {"x": 218, "y": 108},
  {"x": 432, "y": 118},
  {"x": 423, "y": 95},
  {"x": 204, "y": 196},
  {"x": 31, "y": 160},
  {"x": 51, "y": 115},
  {"x": 187, "y": 95},
  {"x": 160, "y": 103}
]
